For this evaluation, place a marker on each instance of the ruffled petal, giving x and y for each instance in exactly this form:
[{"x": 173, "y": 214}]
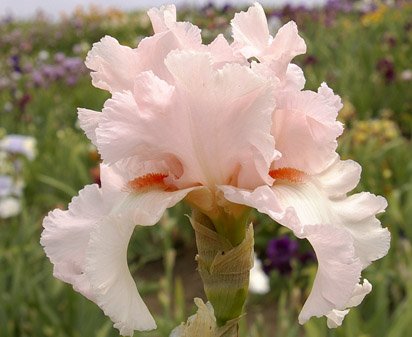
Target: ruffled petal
[
  {"x": 236, "y": 115},
  {"x": 252, "y": 39},
  {"x": 343, "y": 230},
  {"x": 223, "y": 53},
  {"x": 89, "y": 120},
  {"x": 338, "y": 269},
  {"x": 335, "y": 317},
  {"x": 305, "y": 129},
  {"x": 285, "y": 46},
  {"x": 146, "y": 205},
  {"x": 338, "y": 272},
  {"x": 113, "y": 66},
  {"x": 361, "y": 290},
  {"x": 340, "y": 178},
  {"x": 169, "y": 35},
  {"x": 147, "y": 208},
  {"x": 355, "y": 213},
  {"x": 66, "y": 235},
  {"x": 107, "y": 270},
  {"x": 122, "y": 131},
  {"x": 250, "y": 31},
  {"x": 295, "y": 79},
  {"x": 88, "y": 243},
  {"x": 209, "y": 122},
  {"x": 162, "y": 18}
]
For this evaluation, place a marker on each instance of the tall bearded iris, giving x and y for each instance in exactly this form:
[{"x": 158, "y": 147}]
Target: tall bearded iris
[{"x": 204, "y": 124}]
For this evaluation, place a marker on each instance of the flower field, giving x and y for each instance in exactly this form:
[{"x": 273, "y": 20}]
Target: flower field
[{"x": 362, "y": 51}]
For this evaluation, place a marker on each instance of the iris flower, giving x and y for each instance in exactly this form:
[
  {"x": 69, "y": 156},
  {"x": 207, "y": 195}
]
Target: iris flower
[{"x": 225, "y": 127}]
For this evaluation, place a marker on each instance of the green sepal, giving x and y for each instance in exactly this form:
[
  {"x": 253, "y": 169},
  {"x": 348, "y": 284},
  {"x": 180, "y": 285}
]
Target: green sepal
[{"x": 224, "y": 268}]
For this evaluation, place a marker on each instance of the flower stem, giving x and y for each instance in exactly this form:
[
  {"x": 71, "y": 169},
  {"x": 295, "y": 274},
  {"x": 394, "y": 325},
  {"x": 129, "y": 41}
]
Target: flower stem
[{"x": 224, "y": 268}]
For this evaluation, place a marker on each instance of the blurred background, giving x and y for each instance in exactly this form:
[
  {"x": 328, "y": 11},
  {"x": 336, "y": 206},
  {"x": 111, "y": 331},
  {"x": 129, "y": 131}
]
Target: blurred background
[{"x": 362, "y": 49}]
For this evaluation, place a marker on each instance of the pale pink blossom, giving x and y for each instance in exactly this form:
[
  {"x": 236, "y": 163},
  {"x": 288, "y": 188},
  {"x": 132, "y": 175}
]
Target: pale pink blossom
[
  {"x": 200, "y": 123},
  {"x": 335, "y": 317}
]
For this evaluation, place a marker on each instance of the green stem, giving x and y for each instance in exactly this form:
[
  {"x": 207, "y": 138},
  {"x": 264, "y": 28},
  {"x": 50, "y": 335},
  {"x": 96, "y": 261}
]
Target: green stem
[{"x": 224, "y": 266}]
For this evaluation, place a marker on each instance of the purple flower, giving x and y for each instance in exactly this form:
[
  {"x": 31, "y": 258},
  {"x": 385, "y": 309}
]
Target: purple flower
[
  {"x": 71, "y": 80},
  {"x": 387, "y": 69},
  {"x": 15, "y": 63},
  {"x": 38, "y": 78},
  {"x": 59, "y": 57},
  {"x": 310, "y": 60},
  {"x": 339, "y": 5},
  {"x": 227, "y": 8},
  {"x": 280, "y": 252},
  {"x": 72, "y": 64}
]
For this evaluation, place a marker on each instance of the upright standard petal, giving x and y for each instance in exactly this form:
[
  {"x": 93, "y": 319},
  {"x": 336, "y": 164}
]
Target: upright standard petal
[
  {"x": 305, "y": 129},
  {"x": 251, "y": 37},
  {"x": 233, "y": 104},
  {"x": 162, "y": 18},
  {"x": 285, "y": 46},
  {"x": 113, "y": 66},
  {"x": 251, "y": 32},
  {"x": 223, "y": 53}
]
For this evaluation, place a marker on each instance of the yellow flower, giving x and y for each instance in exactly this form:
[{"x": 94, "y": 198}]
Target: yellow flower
[{"x": 374, "y": 17}]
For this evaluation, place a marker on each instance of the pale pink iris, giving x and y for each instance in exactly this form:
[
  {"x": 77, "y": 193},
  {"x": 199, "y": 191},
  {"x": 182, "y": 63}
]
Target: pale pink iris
[{"x": 202, "y": 123}]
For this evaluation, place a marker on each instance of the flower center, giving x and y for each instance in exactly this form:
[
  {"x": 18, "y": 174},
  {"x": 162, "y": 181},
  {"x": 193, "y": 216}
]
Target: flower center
[
  {"x": 288, "y": 173},
  {"x": 148, "y": 181}
]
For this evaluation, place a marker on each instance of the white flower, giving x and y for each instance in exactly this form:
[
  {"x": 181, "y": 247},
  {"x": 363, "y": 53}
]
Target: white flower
[
  {"x": 259, "y": 281},
  {"x": 9, "y": 207},
  {"x": 19, "y": 144}
]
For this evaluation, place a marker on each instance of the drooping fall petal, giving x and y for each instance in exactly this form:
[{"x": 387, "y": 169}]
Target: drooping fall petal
[
  {"x": 109, "y": 276},
  {"x": 88, "y": 245},
  {"x": 343, "y": 230},
  {"x": 66, "y": 236},
  {"x": 335, "y": 317}
]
